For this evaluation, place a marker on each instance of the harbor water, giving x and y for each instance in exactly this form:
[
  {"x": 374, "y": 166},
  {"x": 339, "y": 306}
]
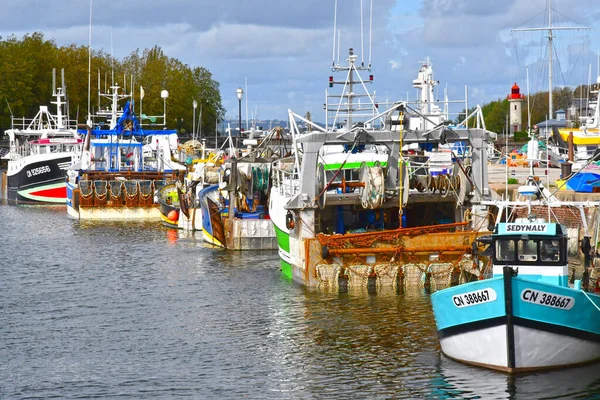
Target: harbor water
[{"x": 138, "y": 311}]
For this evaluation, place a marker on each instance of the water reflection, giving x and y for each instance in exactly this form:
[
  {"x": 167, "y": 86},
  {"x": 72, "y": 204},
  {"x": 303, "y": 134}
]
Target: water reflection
[
  {"x": 136, "y": 310},
  {"x": 463, "y": 381}
]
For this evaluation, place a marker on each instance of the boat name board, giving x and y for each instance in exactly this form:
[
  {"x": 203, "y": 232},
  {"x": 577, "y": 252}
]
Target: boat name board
[
  {"x": 547, "y": 299},
  {"x": 526, "y": 228},
  {"x": 540, "y": 229},
  {"x": 474, "y": 298},
  {"x": 38, "y": 171}
]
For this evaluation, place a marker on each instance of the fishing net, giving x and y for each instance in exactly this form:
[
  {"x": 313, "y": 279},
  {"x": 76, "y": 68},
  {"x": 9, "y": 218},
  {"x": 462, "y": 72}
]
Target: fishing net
[
  {"x": 116, "y": 192},
  {"x": 86, "y": 189},
  {"x": 100, "y": 193},
  {"x": 131, "y": 193},
  {"x": 146, "y": 192}
]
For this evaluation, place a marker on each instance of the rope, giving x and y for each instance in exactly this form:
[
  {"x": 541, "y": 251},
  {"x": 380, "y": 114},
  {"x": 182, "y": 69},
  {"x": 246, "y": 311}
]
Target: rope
[{"x": 591, "y": 301}]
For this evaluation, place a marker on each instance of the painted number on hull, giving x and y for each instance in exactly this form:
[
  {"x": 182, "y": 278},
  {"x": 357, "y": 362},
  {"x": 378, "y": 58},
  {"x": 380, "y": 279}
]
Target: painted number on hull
[
  {"x": 38, "y": 171},
  {"x": 474, "y": 298},
  {"x": 547, "y": 299}
]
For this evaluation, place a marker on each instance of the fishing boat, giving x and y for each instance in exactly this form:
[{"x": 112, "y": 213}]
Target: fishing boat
[
  {"x": 41, "y": 150},
  {"x": 524, "y": 316},
  {"x": 117, "y": 177},
  {"x": 169, "y": 204},
  {"x": 234, "y": 212},
  {"x": 368, "y": 203}
]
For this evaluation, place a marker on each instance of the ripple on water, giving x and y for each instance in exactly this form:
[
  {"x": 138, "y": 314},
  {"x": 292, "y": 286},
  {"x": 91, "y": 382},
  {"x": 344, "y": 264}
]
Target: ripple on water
[{"x": 134, "y": 310}]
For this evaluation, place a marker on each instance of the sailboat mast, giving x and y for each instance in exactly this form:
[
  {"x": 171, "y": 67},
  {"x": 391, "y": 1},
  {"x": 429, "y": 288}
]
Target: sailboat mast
[
  {"x": 550, "y": 105},
  {"x": 550, "y": 29},
  {"x": 89, "y": 116}
]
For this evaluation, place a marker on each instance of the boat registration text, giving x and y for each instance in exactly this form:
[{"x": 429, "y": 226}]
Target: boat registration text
[
  {"x": 547, "y": 299},
  {"x": 474, "y": 298}
]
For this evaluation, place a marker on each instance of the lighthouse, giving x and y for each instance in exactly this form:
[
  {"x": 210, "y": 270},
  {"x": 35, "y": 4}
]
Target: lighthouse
[{"x": 515, "y": 101}]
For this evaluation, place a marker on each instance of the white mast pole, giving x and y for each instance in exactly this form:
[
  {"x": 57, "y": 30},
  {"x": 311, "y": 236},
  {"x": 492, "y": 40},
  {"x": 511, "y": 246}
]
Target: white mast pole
[
  {"x": 246, "y": 88},
  {"x": 550, "y": 29},
  {"x": 370, "y": 32},
  {"x": 334, "y": 33},
  {"x": 528, "y": 109},
  {"x": 550, "y": 105},
  {"x": 362, "y": 40},
  {"x": 338, "y": 45},
  {"x": 89, "y": 116}
]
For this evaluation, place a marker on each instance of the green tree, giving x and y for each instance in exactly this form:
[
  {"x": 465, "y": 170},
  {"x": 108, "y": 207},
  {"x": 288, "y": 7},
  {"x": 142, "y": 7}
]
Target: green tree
[{"x": 26, "y": 81}]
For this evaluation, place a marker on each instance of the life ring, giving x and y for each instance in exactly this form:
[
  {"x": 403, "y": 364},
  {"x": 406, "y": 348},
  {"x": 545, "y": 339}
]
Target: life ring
[{"x": 289, "y": 220}]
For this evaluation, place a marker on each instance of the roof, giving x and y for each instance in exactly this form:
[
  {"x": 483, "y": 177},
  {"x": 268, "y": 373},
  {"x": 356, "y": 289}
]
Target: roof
[{"x": 552, "y": 122}]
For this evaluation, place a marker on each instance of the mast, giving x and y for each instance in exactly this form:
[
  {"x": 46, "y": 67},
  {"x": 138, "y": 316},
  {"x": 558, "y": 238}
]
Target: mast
[
  {"x": 550, "y": 28},
  {"x": 89, "y": 116},
  {"x": 550, "y": 94}
]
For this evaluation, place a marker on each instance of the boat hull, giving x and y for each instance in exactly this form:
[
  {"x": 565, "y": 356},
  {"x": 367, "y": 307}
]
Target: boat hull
[
  {"x": 477, "y": 325},
  {"x": 38, "y": 180}
]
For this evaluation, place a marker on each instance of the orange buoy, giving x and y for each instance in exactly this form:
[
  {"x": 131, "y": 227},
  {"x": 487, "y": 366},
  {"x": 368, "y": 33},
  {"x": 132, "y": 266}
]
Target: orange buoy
[{"x": 173, "y": 215}]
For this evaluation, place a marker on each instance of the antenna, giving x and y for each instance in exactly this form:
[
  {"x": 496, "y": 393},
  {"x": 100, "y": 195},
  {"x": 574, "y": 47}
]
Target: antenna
[
  {"x": 112, "y": 60},
  {"x": 370, "y": 32},
  {"x": 362, "y": 41},
  {"x": 99, "y": 87},
  {"x": 529, "y": 109},
  {"x": 53, "y": 81},
  {"x": 334, "y": 34},
  {"x": 246, "y": 84},
  {"x": 62, "y": 78},
  {"x": 338, "y": 43}
]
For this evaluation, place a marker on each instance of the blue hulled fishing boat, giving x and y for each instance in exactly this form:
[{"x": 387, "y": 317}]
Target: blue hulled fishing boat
[{"x": 525, "y": 316}]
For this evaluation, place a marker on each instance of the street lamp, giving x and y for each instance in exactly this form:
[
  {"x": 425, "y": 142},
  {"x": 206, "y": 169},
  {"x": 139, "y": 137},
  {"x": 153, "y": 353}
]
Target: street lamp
[
  {"x": 195, "y": 104},
  {"x": 165, "y": 95},
  {"x": 240, "y": 94}
]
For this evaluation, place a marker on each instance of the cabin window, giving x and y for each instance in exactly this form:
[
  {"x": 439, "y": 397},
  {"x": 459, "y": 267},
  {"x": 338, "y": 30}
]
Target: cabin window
[
  {"x": 527, "y": 250},
  {"x": 505, "y": 250},
  {"x": 549, "y": 250}
]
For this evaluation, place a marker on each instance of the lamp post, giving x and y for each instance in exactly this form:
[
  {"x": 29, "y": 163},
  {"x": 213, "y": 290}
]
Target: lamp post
[
  {"x": 165, "y": 95},
  {"x": 240, "y": 94},
  {"x": 195, "y": 104}
]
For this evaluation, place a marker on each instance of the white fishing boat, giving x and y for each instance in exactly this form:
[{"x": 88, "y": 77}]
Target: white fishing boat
[
  {"x": 41, "y": 149},
  {"x": 116, "y": 179},
  {"x": 352, "y": 209}
]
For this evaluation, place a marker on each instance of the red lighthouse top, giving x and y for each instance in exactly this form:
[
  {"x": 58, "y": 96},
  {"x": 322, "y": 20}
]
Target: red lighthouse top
[{"x": 515, "y": 93}]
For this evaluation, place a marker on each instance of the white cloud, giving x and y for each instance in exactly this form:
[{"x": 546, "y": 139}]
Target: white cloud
[{"x": 284, "y": 48}]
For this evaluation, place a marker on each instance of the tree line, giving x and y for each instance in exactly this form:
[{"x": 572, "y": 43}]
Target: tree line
[{"x": 26, "y": 82}]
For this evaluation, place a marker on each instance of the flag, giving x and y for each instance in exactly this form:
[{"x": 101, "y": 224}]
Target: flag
[{"x": 141, "y": 92}]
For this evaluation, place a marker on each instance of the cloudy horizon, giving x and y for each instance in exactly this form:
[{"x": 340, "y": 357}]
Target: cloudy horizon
[{"x": 284, "y": 48}]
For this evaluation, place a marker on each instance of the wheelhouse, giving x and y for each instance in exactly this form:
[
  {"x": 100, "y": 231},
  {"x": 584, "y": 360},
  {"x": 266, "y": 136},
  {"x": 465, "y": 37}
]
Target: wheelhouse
[{"x": 538, "y": 249}]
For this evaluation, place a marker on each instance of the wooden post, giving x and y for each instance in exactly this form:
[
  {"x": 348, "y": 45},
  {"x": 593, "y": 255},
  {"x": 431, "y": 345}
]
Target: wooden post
[
  {"x": 571, "y": 155},
  {"x": 3, "y": 187}
]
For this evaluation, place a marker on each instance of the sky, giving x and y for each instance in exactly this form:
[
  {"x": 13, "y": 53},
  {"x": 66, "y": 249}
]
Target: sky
[{"x": 284, "y": 48}]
